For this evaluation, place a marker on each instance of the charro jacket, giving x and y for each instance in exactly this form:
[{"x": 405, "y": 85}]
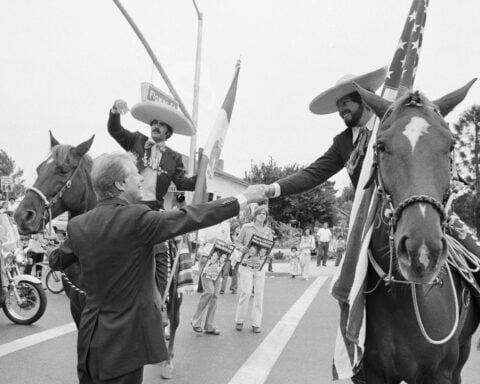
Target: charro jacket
[{"x": 172, "y": 168}]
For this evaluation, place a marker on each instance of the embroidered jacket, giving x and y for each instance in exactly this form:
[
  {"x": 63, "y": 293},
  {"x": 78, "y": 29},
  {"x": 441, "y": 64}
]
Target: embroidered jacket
[{"x": 171, "y": 165}]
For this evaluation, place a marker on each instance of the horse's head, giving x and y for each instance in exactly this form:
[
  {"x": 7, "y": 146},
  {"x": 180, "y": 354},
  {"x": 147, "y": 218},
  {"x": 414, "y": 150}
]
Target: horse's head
[
  {"x": 63, "y": 184},
  {"x": 413, "y": 153}
]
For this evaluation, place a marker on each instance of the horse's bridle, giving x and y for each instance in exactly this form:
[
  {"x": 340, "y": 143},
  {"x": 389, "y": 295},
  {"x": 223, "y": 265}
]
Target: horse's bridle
[
  {"x": 47, "y": 210},
  {"x": 393, "y": 215}
]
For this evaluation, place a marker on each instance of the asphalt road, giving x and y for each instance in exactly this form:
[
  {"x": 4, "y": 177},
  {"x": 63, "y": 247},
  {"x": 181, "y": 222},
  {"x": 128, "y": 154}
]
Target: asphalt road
[{"x": 296, "y": 345}]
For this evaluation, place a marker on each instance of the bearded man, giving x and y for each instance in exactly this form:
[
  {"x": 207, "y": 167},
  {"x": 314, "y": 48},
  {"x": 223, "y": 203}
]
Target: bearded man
[{"x": 349, "y": 147}]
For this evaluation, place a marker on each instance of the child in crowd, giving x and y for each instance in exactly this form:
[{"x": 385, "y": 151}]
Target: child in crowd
[
  {"x": 341, "y": 246},
  {"x": 294, "y": 262}
]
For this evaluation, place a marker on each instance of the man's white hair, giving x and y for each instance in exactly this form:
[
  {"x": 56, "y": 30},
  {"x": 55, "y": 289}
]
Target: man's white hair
[{"x": 108, "y": 169}]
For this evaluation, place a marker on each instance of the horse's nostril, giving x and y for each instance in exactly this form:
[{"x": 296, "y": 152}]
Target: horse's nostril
[{"x": 28, "y": 216}]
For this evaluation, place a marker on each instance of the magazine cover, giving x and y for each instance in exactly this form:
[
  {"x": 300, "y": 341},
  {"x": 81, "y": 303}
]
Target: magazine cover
[
  {"x": 220, "y": 253},
  {"x": 258, "y": 250}
]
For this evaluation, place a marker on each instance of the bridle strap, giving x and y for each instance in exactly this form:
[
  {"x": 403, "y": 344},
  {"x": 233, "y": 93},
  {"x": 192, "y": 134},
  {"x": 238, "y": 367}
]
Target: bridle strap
[
  {"x": 40, "y": 193},
  {"x": 419, "y": 199},
  {"x": 55, "y": 198}
]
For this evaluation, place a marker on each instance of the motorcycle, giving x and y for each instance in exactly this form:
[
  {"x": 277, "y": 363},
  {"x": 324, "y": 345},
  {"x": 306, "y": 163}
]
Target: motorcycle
[
  {"x": 37, "y": 263},
  {"x": 22, "y": 297}
]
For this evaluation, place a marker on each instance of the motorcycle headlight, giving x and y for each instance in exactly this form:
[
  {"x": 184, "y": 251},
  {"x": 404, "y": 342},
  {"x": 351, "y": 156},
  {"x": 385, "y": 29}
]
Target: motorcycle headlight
[{"x": 20, "y": 257}]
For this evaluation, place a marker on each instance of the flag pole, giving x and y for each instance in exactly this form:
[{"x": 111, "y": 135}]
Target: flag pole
[
  {"x": 217, "y": 134},
  {"x": 155, "y": 61},
  {"x": 196, "y": 92}
]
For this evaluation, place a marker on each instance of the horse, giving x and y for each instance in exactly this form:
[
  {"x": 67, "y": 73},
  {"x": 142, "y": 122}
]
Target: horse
[
  {"x": 420, "y": 321},
  {"x": 64, "y": 184}
]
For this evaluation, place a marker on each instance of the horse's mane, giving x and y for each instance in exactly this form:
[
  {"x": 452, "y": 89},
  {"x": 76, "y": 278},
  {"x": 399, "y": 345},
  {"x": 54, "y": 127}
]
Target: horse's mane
[
  {"x": 61, "y": 154},
  {"x": 415, "y": 97}
]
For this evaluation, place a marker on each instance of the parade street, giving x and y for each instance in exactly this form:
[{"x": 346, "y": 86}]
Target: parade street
[{"x": 295, "y": 346}]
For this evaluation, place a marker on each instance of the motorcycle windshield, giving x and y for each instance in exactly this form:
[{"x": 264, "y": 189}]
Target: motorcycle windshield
[{"x": 9, "y": 236}]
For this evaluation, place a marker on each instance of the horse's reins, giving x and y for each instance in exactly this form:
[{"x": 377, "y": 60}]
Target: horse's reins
[
  {"x": 47, "y": 212},
  {"x": 393, "y": 216}
]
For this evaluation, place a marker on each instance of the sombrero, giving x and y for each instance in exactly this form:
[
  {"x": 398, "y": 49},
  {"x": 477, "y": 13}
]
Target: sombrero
[
  {"x": 147, "y": 111},
  {"x": 326, "y": 102}
]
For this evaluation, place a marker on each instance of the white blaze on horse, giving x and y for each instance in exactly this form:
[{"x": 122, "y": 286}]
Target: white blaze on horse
[{"x": 419, "y": 323}]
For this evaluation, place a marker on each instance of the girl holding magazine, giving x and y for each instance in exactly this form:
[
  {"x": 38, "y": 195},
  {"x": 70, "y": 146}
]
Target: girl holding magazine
[{"x": 250, "y": 276}]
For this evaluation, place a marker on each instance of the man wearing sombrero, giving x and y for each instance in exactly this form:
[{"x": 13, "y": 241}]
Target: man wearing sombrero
[
  {"x": 158, "y": 164},
  {"x": 349, "y": 147}
]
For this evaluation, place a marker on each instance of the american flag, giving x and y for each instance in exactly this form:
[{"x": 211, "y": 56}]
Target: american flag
[
  {"x": 349, "y": 282},
  {"x": 403, "y": 68}
]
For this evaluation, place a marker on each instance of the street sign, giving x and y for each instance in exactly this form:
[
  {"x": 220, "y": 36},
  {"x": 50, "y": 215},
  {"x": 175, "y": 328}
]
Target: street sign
[{"x": 7, "y": 183}]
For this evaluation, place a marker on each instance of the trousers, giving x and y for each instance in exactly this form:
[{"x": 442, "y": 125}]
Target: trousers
[
  {"x": 248, "y": 279},
  {"x": 207, "y": 304}
]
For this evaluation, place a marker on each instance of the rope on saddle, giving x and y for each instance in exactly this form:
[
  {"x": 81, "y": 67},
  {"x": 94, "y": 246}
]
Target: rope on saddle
[{"x": 463, "y": 261}]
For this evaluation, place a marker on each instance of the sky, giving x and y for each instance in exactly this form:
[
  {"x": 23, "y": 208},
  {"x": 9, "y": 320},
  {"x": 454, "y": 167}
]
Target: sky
[{"x": 63, "y": 64}]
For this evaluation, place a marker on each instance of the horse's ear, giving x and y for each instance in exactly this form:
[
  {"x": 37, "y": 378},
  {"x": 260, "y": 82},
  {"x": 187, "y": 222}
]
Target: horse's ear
[
  {"x": 53, "y": 142},
  {"x": 378, "y": 104},
  {"x": 446, "y": 103},
  {"x": 83, "y": 148}
]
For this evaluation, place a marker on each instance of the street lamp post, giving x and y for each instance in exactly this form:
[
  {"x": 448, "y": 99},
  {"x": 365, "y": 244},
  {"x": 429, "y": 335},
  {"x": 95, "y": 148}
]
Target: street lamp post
[{"x": 196, "y": 93}]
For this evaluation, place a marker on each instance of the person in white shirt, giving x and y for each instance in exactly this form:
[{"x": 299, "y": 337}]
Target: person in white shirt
[{"x": 324, "y": 236}]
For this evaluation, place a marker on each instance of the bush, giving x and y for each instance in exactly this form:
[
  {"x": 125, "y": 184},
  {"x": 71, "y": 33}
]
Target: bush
[{"x": 278, "y": 255}]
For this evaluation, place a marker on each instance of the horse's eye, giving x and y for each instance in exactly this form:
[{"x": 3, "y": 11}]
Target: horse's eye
[
  {"x": 62, "y": 170},
  {"x": 380, "y": 147}
]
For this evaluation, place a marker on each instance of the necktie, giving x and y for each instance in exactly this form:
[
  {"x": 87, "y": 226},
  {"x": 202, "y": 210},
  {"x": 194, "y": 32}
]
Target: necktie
[
  {"x": 359, "y": 150},
  {"x": 160, "y": 146},
  {"x": 156, "y": 152}
]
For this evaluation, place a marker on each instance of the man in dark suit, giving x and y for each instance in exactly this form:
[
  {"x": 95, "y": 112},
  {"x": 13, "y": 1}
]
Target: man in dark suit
[
  {"x": 121, "y": 322},
  {"x": 349, "y": 147}
]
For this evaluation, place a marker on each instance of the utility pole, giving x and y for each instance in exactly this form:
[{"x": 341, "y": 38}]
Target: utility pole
[
  {"x": 157, "y": 64},
  {"x": 196, "y": 93}
]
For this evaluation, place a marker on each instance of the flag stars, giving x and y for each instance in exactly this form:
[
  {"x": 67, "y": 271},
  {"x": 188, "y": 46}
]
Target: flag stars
[
  {"x": 401, "y": 44},
  {"x": 416, "y": 45},
  {"x": 412, "y": 16},
  {"x": 389, "y": 74}
]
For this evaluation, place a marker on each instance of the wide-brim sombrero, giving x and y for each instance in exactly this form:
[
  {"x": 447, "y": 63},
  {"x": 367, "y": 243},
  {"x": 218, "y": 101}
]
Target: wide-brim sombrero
[
  {"x": 326, "y": 102},
  {"x": 147, "y": 111}
]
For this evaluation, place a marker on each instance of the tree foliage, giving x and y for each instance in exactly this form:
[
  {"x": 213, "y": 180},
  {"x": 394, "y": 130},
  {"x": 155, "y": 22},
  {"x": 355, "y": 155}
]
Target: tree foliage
[
  {"x": 8, "y": 168},
  {"x": 304, "y": 208},
  {"x": 467, "y": 148}
]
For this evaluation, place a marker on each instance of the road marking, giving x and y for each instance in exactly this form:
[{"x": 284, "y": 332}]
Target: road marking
[
  {"x": 258, "y": 366},
  {"x": 36, "y": 338}
]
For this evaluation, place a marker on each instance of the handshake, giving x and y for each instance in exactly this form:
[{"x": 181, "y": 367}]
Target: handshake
[{"x": 259, "y": 193}]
